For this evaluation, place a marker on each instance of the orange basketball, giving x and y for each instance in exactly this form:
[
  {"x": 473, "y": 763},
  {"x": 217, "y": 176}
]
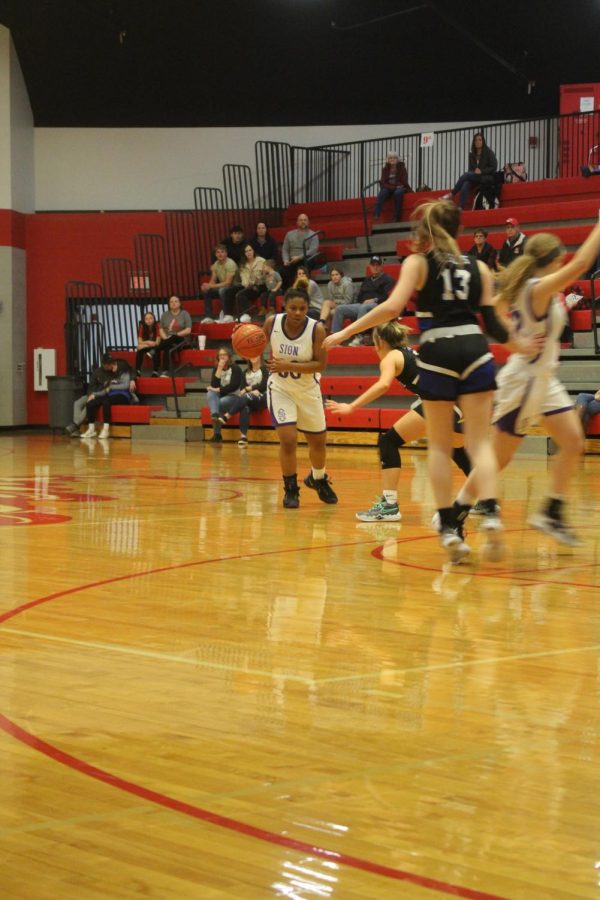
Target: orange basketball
[{"x": 248, "y": 341}]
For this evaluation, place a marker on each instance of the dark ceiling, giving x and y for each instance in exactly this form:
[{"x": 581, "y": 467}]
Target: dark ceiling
[{"x": 280, "y": 62}]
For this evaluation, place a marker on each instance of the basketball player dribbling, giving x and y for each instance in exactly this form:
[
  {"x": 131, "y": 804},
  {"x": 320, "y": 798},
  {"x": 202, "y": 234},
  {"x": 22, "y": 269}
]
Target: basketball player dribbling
[{"x": 294, "y": 395}]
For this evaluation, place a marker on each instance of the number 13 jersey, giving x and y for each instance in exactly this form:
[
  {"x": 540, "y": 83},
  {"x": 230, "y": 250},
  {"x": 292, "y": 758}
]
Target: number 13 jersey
[{"x": 451, "y": 293}]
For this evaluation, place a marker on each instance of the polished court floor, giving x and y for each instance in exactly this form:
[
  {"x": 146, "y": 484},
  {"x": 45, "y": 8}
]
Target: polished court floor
[{"x": 204, "y": 695}]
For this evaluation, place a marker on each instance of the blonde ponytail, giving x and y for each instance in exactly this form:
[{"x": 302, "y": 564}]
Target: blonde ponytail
[
  {"x": 435, "y": 228},
  {"x": 393, "y": 333},
  {"x": 540, "y": 251}
]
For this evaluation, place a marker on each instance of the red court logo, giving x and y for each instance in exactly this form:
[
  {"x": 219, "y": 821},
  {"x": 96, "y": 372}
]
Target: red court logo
[{"x": 35, "y": 501}]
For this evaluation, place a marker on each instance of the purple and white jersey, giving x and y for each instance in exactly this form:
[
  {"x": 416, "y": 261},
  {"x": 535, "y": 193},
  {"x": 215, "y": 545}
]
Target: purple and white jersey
[{"x": 297, "y": 349}]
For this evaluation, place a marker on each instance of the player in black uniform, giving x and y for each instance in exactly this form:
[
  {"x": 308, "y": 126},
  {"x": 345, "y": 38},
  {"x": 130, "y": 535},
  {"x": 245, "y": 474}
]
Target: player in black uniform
[
  {"x": 397, "y": 362},
  {"x": 455, "y": 364}
]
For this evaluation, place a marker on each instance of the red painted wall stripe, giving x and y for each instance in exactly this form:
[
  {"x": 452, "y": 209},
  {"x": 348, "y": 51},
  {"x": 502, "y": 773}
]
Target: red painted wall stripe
[{"x": 12, "y": 229}]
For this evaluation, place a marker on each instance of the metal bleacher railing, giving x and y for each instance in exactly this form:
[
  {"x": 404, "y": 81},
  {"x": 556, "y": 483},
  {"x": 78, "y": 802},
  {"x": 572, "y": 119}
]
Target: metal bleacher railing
[
  {"x": 550, "y": 147},
  {"x": 101, "y": 316}
]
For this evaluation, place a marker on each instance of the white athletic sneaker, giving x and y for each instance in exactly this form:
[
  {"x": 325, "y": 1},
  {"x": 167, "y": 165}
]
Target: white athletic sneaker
[
  {"x": 226, "y": 320},
  {"x": 556, "y": 529},
  {"x": 206, "y": 320},
  {"x": 454, "y": 545},
  {"x": 447, "y": 196},
  {"x": 105, "y": 431},
  {"x": 245, "y": 319},
  {"x": 90, "y": 433},
  {"x": 493, "y": 549}
]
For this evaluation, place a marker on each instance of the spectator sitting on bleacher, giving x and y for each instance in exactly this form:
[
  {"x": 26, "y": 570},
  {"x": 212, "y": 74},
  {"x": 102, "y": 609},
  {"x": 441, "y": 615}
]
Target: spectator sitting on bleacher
[
  {"x": 272, "y": 284},
  {"x": 483, "y": 251},
  {"x": 251, "y": 397},
  {"x": 224, "y": 282},
  {"x": 98, "y": 382},
  {"x": 305, "y": 283},
  {"x": 120, "y": 391},
  {"x": 235, "y": 244},
  {"x": 374, "y": 290},
  {"x": 148, "y": 343},
  {"x": 225, "y": 381},
  {"x": 300, "y": 248},
  {"x": 586, "y": 406},
  {"x": 393, "y": 183},
  {"x": 483, "y": 166},
  {"x": 593, "y": 163},
  {"x": 513, "y": 246},
  {"x": 264, "y": 245},
  {"x": 253, "y": 283},
  {"x": 339, "y": 290},
  {"x": 175, "y": 326}
]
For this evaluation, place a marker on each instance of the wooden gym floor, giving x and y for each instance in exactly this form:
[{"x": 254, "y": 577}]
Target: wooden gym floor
[{"x": 204, "y": 695}]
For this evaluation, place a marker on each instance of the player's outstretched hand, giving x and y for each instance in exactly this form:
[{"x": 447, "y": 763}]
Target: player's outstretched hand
[
  {"x": 333, "y": 340},
  {"x": 342, "y": 409}
]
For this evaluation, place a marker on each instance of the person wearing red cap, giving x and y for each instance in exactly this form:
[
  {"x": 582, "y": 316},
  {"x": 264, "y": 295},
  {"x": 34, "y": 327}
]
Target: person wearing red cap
[{"x": 513, "y": 246}]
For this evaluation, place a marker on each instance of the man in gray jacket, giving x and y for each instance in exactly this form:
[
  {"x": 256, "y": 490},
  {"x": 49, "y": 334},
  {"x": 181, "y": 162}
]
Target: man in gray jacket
[{"x": 300, "y": 248}]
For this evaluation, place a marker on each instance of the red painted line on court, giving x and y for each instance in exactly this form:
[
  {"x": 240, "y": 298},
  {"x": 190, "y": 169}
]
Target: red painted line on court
[
  {"x": 205, "y": 815},
  {"x": 466, "y": 569},
  {"x": 79, "y": 765}
]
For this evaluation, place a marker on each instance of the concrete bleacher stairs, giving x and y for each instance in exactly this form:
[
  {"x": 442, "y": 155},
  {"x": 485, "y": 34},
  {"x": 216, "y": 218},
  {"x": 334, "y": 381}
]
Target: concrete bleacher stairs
[{"x": 567, "y": 207}]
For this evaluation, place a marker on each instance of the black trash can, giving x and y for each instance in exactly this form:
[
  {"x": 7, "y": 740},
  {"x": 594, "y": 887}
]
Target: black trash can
[{"x": 63, "y": 391}]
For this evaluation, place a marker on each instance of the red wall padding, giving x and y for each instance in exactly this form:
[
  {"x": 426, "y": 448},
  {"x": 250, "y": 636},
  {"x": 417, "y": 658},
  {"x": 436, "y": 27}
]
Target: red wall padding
[{"x": 64, "y": 247}]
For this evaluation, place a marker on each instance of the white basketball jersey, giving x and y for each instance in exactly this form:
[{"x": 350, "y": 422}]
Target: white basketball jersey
[
  {"x": 297, "y": 349},
  {"x": 528, "y": 383}
]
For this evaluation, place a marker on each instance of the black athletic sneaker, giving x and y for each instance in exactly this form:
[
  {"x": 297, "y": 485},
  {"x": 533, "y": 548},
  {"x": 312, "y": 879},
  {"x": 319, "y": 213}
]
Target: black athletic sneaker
[
  {"x": 323, "y": 488},
  {"x": 291, "y": 497}
]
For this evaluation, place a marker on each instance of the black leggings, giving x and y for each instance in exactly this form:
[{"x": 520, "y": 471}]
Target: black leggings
[
  {"x": 172, "y": 343},
  {"x": 152, "y": 352},
  {"x": 106, "y": 402}
]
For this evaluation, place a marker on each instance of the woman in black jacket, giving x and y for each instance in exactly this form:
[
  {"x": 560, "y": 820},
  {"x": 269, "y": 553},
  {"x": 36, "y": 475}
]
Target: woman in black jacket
[
  {"x": 263, "y": 244},
  {"x": 483, "y": 166},
  {"x": 225, "y": 382},
  {"x": 483, "y": 251},
  {"x": 251, "y": 398}
]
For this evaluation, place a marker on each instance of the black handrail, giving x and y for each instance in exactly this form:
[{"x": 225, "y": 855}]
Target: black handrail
[
  {"x": 365, "y": 217},
  {"x": 307, "y": 241}
]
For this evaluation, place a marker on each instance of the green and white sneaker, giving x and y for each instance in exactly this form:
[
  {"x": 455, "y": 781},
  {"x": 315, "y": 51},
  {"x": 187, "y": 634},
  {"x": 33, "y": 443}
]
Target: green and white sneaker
[{"x": 381, "y": 511}]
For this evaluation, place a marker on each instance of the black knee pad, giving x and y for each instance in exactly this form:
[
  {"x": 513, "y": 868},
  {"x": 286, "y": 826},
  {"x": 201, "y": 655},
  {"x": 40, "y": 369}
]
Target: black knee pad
[{"x": 389, "y": 446}]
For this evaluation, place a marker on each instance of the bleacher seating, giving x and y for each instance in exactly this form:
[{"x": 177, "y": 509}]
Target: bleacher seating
[{"x": 567, "y": 207}]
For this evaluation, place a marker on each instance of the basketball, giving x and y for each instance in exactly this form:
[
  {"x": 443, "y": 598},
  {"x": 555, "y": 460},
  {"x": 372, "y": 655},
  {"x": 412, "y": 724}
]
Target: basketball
[{"x": 248, "y": 341}]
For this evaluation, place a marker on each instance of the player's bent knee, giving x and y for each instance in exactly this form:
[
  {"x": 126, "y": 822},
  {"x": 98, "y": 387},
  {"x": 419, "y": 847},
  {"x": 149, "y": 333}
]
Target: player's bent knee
[{"x": 389, "y": 449}]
